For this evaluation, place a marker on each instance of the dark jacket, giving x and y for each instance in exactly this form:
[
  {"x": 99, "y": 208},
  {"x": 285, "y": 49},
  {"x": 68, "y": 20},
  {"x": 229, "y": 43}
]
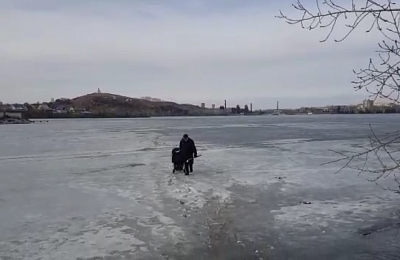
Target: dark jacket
[{"x": 188, "y": 148}]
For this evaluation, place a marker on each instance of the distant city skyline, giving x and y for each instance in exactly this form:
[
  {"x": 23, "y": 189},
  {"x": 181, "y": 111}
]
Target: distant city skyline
[
  {"x": 258, "y": 103},
  {"x": 187, "y": 52}
]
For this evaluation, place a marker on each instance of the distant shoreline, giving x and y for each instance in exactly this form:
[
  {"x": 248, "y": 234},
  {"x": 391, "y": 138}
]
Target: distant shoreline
[
  {"x": 215, "y": 115},
  {"x": 121, "y": 117},
  {"x": 14, "y": 121}
]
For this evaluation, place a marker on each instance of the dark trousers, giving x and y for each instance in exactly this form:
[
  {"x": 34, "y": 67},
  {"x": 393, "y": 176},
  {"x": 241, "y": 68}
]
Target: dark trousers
[{"x": 188, "y": 166}]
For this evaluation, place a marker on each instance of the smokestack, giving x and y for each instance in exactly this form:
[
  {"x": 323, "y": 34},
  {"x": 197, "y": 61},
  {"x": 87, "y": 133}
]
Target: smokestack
[
  {"x": 251, "y": 107},
  {"x": 225, "y": 104},
  {"x": 277, "y": 105}
]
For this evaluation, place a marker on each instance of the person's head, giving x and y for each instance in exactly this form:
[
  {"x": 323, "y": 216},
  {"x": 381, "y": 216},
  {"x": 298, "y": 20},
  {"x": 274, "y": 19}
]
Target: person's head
[{"x": 185, "y": 137}]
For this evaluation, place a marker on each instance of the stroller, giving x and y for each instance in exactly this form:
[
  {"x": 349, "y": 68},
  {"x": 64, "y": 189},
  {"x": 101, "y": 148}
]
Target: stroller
[{"x": 177, "y": 160}]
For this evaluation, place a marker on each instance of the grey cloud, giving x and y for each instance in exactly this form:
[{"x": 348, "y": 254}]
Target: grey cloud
[
  {"x": 68, "y": 48},
  {"x": 187, "y": 6}
]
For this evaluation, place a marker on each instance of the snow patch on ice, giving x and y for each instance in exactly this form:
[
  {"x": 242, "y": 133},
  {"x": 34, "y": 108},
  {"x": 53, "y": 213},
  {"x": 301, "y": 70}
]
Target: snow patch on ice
[
  {"x": 324, "y": 213},
  {"x": 93, "y": 242}
]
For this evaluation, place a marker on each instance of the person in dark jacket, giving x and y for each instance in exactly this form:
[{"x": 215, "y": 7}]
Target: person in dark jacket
[{"x": 188, "y": 151}]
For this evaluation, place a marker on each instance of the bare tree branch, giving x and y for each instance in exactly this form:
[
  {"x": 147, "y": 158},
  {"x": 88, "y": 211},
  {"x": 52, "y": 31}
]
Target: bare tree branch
[
  {"x": 378, "y": 160},
  {"x": 380, "y": 78}
]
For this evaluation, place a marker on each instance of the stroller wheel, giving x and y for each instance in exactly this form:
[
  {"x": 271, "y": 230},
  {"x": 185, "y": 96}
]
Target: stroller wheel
[{"x": 173, "y": 171}]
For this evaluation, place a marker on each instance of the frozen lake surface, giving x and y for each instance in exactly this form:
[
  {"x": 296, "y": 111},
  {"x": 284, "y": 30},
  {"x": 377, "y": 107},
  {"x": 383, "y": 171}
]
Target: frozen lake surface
[{"x": 104, "y": 189}]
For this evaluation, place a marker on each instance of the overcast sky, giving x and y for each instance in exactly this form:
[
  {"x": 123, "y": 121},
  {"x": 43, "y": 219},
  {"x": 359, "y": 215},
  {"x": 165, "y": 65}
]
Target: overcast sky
[{"x": 188, "y": 51}]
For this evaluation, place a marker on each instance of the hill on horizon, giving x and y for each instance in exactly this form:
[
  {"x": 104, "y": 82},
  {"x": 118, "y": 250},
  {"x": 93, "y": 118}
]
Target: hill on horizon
[{"x": 117, "y": 105}]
